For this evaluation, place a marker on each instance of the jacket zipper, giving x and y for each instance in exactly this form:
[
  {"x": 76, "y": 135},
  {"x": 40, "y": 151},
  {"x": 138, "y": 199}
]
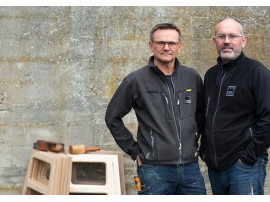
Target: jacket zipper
[
  {"x": 180, "y": 128},
  {"x": 179, "y": 134},
  {"x": 175, "y": 122},
  {"x": 215, "y": 117}
]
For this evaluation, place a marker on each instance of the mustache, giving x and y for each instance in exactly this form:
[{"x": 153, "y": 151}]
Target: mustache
[
  {"x": 226, "y": 46},
  {"x": 166, "y": 52}
]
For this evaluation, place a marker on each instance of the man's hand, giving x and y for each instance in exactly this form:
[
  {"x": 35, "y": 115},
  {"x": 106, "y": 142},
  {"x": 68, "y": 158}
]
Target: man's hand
[{"x": 138, "y": 161}]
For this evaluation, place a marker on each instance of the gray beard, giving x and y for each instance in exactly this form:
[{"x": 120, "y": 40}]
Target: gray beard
[{"x": 227, "y": 58}]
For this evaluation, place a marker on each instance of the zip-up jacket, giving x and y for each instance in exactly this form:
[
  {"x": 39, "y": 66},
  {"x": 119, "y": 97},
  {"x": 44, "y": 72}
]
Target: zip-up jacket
[
  {"x": 237, "y": 125},
  {"x": 167, "y": 125}
]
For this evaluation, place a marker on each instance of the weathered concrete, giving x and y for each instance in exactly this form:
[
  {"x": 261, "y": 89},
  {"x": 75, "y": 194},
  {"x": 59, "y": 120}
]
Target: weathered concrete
[{"x": 59, "y": 67}]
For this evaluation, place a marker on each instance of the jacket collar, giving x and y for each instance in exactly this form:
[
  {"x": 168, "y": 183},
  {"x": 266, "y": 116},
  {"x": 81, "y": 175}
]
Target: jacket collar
[
  {"x": 155, "y": 68},
  {"x": 231, "y": 64}
]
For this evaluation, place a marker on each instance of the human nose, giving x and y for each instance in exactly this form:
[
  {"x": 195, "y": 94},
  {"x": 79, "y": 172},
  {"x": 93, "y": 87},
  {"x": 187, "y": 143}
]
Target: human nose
[
  {"x": 166, "y": 46},
  {"x": 227, "y": 39}
]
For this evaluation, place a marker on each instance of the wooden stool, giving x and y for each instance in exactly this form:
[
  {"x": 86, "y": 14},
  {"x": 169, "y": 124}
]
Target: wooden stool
[
  {"x": 114, "y": 182},
  {"x": 40, "y": 163}
]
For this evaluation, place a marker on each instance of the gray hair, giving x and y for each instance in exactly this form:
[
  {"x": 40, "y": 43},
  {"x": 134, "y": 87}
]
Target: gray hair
[{"x": 165, "y": 26}]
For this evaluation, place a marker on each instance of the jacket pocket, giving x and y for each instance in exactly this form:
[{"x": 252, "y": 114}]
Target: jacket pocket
[
  {"x": 168, "y": 107},
  {"x": 188, "y": 102},
  {"x": 157, "y": 104},
  {"x": 248, "y": 134},
  {"x": 207, "y": 106},
  {"x": 149, "y": 148},
  {"x": 151, "y": 154},
  {"x": 188, "y": 139},
  {"x": 145, "y": 188}
]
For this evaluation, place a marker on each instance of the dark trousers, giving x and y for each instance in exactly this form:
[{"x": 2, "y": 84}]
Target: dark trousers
[
  {"x": 171, "y": 179},
  {"x": 239, "y": 179}
]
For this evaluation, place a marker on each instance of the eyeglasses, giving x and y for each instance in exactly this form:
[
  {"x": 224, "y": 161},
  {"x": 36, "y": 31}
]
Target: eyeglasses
[
  {"x": 162, "y": 44},
  {"x": 222, "y": 37}
]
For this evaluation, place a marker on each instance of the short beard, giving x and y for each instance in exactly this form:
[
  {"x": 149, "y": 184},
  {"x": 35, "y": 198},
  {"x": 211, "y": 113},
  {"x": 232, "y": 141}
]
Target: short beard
[{"x": 228, "y": 58}]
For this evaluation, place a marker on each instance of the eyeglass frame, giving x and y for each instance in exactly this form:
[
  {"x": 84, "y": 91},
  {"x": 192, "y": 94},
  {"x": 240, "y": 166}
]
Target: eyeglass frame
[
  {"x": 160, "y": 43},
  {"x": 235, "y": 36}
]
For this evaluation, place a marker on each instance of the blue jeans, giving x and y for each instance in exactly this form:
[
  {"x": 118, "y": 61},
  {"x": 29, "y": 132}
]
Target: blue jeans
[
  {"x": 239, "y": 179},
  {"x": 171, "y": 179}
]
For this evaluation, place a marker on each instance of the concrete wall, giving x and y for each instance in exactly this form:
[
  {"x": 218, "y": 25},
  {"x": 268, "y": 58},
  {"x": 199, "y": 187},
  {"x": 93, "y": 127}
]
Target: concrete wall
[{"x": 59, "y": 67}]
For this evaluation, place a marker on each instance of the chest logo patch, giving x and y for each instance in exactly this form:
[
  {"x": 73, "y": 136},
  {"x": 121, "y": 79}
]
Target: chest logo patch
[{"x": 230, "y": 90}]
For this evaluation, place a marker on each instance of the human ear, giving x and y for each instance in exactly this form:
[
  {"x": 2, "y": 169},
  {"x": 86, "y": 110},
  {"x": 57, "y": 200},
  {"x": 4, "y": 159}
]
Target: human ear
[
  {"x": 244, "y": 41},
  {"x": 215, "y": 42},
  {"x": 179, "y": 47},
  {"x": 150, "y": 44}
]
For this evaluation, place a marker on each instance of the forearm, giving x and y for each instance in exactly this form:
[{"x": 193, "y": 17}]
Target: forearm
[
  {"x": 124, "y": 139},
  {"x": 120, "y": 105}
]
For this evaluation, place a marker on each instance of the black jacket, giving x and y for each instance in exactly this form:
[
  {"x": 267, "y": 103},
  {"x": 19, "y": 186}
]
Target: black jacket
[
  {"x": 237, "y": 125},
  {"x": 165, "y": 112}
]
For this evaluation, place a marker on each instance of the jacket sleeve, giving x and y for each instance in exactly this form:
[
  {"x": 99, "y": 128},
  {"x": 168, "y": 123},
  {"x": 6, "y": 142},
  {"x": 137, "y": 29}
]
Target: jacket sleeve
[
  {"x": 201, "y": 103},
  {"x": 200, "y": 106},
  {"x": 120, "y": 105},
  {"x": 261, "y": 134}
]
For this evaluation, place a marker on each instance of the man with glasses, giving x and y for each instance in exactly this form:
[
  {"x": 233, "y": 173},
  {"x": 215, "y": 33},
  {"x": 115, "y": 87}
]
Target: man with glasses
[
  {"x": 237, "y": 110},
  {"x": 168, "y": 101}
]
